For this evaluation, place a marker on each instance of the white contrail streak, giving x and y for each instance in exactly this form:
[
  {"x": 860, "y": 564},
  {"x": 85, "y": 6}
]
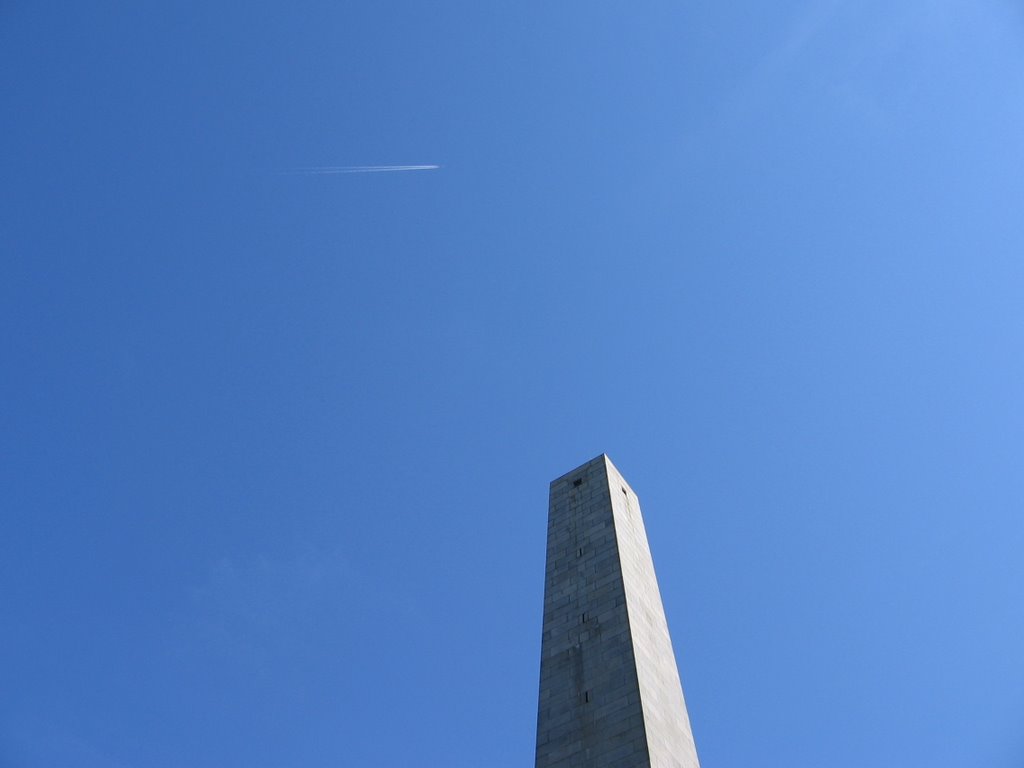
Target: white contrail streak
[{"x": 329, "y": 169}]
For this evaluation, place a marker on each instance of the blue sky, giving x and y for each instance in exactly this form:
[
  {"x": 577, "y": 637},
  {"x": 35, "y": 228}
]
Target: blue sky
[{"x": 274, "y": 448}]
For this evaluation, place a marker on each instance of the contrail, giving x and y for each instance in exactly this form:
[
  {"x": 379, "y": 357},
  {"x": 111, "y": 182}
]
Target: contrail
[{"x": 329, "y": 169}]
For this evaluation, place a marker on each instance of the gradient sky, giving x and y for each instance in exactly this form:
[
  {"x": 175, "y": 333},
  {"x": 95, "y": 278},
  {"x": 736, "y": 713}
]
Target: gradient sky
[{"x": 275, "y": 447}]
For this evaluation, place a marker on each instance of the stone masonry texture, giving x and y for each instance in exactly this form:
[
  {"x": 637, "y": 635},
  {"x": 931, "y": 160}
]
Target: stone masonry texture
[{"x": 610, "y": 695}]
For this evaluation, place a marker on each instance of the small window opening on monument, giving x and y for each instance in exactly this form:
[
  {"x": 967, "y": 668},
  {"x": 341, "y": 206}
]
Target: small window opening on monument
[
  {"x": 579, "y": 552},
  {"x": 624, "y": 491},
  {"x": 583, "y": 618},
  {"x": 586, "y": 697},
  {"x": 577, "y": 482}
]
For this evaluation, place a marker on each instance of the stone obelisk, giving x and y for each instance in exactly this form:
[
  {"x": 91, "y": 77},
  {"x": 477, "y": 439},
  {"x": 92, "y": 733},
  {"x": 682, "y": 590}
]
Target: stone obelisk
[{"x": 610, "y": 695}]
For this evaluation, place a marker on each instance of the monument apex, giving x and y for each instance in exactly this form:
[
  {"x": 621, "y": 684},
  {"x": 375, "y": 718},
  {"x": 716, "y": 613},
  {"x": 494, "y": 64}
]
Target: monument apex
[{"x": 610, "y": 695}]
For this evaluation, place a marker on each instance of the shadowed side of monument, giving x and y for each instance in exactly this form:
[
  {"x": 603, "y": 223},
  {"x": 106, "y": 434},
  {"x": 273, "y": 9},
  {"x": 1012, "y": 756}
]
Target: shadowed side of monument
[{"x": 609, "y": 688}]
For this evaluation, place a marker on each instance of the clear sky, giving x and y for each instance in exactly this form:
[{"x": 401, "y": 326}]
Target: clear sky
[{"x": 275, "y": 447}]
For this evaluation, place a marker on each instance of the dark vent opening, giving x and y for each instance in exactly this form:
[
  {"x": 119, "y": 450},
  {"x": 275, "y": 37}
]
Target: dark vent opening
[{"x": 577, "y": 482}]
